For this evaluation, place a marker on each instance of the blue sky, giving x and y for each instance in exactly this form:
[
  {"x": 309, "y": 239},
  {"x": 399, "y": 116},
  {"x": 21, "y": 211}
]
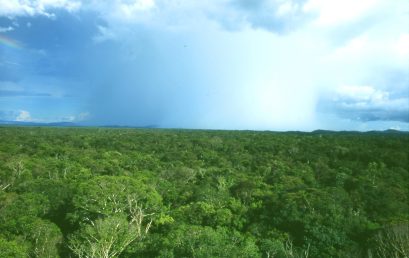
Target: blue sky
[{"x": 215, "y": 64}]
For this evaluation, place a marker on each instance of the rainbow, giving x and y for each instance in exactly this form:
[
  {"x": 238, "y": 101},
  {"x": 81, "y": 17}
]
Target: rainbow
[{"x": 6, "y": 41}]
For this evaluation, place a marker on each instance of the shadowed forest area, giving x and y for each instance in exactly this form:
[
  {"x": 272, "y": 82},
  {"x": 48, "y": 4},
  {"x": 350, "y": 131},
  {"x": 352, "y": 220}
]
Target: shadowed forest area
[{"x": 100, "y": 192}]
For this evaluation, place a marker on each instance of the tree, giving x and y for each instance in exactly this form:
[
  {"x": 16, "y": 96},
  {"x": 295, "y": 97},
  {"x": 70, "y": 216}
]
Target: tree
[
  {"x": 112, "y": 212},
  {"x": 12, "y": 249},
  {"x": 392, "y": 241},
  {"x": 198, "y": 241},
  {"x": 108, "y": 237}
]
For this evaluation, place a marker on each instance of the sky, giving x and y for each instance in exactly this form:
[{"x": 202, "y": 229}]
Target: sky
[{"x": 211, "y": 64}]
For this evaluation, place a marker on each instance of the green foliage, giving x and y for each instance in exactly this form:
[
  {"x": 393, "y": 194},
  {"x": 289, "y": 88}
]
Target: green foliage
[
  {"x": 392, "y": 241},
  {"x": 198, "y": 241},
  {"x": 107, "y": 237},
  {"x": 12, "y": 249},
  {"x": 103, "y": 196},
  {"x": 94, "y": 192},
  {"x": 22, "y": 216}
]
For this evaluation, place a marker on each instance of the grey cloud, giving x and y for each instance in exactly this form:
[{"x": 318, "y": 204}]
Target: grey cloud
[
  {"x": 385, "y": 106},
  {"x": 372, "y": 114}
]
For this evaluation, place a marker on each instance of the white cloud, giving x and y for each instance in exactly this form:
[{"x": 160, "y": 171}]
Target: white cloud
[
  {"x": 12, "y": 8},
  {"x": 354, "y": 46},
  {"x": 6, "y": 29},
  {"x": 287, "y": 8},
  {"x": 395, "y": 127},
  {"x": 360, "y": 93},
  {"x": 375, "y": 45},
  {"x": 367, "y": 97},
  {"x": 335, "y": 12},
  {"x": 122, "y": 12},
  {"x": 402, "y": 45},
  {"x": 129, "y": 9},
  {"x": 366, "y": 103},
  {"x": 24, "y": 116}
]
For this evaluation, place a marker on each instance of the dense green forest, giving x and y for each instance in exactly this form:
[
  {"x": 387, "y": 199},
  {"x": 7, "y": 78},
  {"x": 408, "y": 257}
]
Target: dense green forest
[{"x": 100, "y": 192}]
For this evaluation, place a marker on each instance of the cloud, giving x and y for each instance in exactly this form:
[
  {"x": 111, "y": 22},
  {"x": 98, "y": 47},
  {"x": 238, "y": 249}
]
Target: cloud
[
  {"x": 360, "y": 93},
  {"x": 378, "y": 47},
  {"x": 17, "y": 115},
  {"x": 335, "y": 12},
  {"x": 365, "y": 103},
  {"x": 282, "y": 17},
  {"x": 132, "y": 8},
  {"x": 125, "y": 12},
  {"x": 272, "y": 15},
  {"x": 209, "y": 64},
  {"x": 402, "y": 45},
  {"x": 6, "y": 29},
  {"x": 24, "y": 116},
  {"x": 41, "y": 7}
]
